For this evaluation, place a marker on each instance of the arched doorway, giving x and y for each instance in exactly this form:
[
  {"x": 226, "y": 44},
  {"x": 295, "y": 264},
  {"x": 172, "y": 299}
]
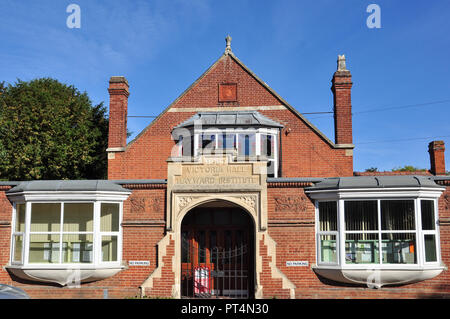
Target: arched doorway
[{"x": 217, "y": 252}]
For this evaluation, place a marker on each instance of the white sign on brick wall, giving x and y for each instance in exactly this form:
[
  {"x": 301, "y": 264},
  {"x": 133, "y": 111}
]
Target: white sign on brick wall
[
  {"x": 139, "y": 263},
  {"x": 298, "y": 263}
]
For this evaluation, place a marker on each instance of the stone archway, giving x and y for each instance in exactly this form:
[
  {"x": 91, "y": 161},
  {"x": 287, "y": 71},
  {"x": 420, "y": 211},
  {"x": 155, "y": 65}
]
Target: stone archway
[
  {"x": 214, "y": 178},
  {"x": 217, "y": 241}
]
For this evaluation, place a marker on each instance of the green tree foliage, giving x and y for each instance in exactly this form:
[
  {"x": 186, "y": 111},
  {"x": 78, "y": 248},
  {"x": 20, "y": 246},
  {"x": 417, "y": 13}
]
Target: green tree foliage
[
  {"x": 49, "y": 130},
  {"x": 408, "y": 168}
]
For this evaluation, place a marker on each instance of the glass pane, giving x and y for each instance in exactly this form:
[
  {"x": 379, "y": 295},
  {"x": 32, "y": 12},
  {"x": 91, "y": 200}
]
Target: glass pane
[
  {"x": 109, "y": 219},
  {"x": 20, "y": 218},
  {"x": 267, "y": 145},
  {"x": 328, "y": 249},
  {"x": 361, "y": 248},
  {"x": 327, "y": 216},
  {"x": 44, "y": 248},
  {"x": 77, "y": 248},
  {"x": 397, "y": 215},
  {"x": 226, "y": 141},
  {"x": 427, "y": 208},
  {"x": 187, "y": 143},
  {"x": 18, "y": 248},
  {"x": 399, "y": 248},
  {"x": 247, "y": 144},
  {"x": 361, "y": 215},
  {"x": 208, "y": 141},
  {"x": 109, "y": 248},
  {"x": 78, "y": 217},
  {"x": 45, "y": 217},
  {"x": 430, "y": 248}
]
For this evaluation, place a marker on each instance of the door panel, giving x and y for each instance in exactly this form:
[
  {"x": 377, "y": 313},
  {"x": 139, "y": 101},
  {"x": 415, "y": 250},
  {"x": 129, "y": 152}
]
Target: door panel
[{"x": 224, "y": 250}]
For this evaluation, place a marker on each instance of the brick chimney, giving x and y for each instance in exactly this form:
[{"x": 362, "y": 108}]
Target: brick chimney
[
  {"x": 118, "y": 105},
  {"x": 437, "y": 158},
  {"x": 341, "y": 88}
]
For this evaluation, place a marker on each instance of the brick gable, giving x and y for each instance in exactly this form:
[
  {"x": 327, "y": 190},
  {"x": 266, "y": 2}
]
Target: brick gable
[{"x": 305, "y": 150}]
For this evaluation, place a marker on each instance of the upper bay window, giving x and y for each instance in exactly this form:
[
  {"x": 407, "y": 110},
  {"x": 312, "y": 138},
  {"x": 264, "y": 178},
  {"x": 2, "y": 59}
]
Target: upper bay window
[
  {"x": 250, "y": 135},
  {"x": 63, "y": 226},
  {"x": 388, "y": 231}
]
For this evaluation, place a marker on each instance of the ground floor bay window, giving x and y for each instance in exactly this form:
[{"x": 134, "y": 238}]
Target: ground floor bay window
[
  {"x": 66, "y": 236},
  {"x": 377, "y": 237}
]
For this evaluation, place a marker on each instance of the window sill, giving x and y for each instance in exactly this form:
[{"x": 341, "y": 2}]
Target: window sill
[
  {"x": 376, "y": 278},
  {"x": 64, "y": 275}
]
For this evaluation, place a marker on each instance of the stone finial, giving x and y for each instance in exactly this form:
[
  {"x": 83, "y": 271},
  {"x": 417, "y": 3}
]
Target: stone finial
[
  {"x": 341, "y": 63},
  {"x": 228, "y": 47}
]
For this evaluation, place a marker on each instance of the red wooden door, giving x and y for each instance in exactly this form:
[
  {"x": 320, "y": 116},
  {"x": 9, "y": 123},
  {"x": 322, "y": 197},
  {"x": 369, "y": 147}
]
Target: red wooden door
[{"x": 223, "y": 252}]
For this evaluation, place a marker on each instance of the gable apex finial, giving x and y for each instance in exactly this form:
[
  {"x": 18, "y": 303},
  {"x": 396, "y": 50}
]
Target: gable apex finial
[{"x": 228, "y": 47}]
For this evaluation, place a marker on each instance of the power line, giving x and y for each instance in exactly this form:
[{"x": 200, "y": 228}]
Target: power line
[
  {"x": 404, "y": 139},
  {"x": 385, "y": 108},
  {"x": 149, "y": 116},
  {"x": 353, "y": 113},
  {"x": 401, "y": 107}
]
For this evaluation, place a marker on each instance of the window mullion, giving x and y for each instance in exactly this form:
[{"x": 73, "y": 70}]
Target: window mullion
[
  {"x": 258, "y": 144},
  {"x": 418, "y": 224},
  {"x": 436, "y": 230},
  {"x": 61, "y": 233},
  {"x": 341, "y": 232},
  {"x": 27, "y": 232},
  {"x": 275, "y": 155},
  {"x": 380, "y": 239},
  {"x": 96, "y": 238}
]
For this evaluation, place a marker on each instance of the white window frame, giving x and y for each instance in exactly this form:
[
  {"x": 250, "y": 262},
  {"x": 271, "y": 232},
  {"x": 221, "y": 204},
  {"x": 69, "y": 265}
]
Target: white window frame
[
  {"x": 96, "y": 260},
  {"x": 119, "y": 235},
  {"x": 319, "y": 233},
  {"x": 16, "y": 233},
  {"x": 435, "y": 232},
  {"x": 230, "y": 131},
  {"x": 419, "y": 234}
]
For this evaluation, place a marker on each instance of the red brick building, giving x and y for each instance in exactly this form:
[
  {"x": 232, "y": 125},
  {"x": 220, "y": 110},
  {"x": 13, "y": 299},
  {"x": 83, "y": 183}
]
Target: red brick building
[{"x": 231, "y": 192}]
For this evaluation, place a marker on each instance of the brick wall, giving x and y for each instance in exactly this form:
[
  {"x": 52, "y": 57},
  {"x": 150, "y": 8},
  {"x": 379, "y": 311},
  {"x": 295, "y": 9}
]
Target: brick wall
[
  {"x": 304, "y": 151},
  {"x": 291, "y": 226}
]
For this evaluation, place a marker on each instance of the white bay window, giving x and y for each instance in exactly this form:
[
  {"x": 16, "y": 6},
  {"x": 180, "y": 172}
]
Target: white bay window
[
  {"x": 248, "y": 144},
  {"x": 363, "y": 231},
  {"x": 59, "y": 231}
]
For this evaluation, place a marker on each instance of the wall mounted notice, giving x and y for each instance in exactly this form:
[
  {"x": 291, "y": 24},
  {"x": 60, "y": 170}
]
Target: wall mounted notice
[
  {"x": 139, "y": 263},
  {"x": 299, "y": 263}
]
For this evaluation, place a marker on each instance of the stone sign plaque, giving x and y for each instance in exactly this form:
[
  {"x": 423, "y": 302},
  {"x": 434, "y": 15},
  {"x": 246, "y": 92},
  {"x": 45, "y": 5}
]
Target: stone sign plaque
[{"x": 217, "y": 173}]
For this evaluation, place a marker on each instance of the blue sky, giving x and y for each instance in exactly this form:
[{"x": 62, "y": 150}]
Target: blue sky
[{"x": 162, "y": 46}]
